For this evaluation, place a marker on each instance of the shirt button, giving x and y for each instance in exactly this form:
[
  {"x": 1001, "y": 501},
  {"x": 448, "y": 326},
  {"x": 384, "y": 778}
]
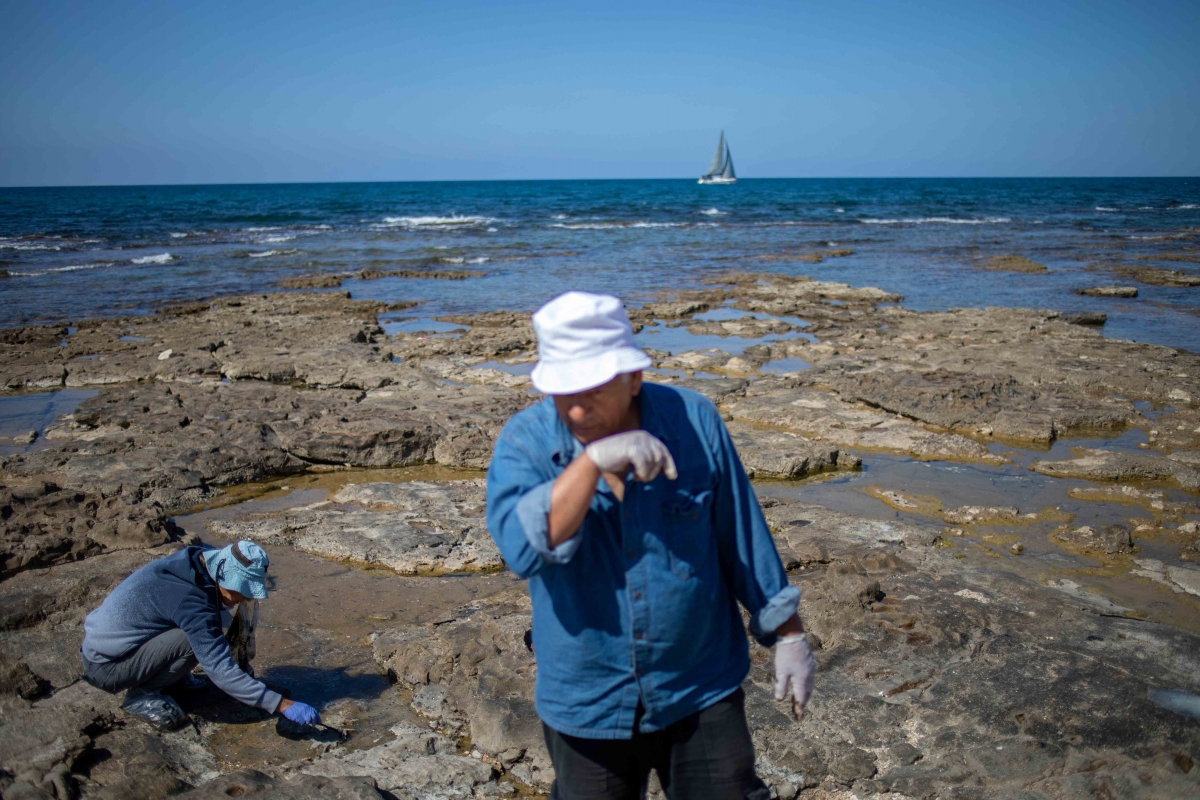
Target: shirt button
[
  {"x": 637, "y": 635},
  {"x": 631, "y": 554},
  {"x": 637, "y": 595}
]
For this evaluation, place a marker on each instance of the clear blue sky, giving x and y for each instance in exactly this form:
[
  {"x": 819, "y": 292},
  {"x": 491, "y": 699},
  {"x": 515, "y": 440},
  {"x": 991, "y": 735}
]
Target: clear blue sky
[{"x": 211, "y": 91}]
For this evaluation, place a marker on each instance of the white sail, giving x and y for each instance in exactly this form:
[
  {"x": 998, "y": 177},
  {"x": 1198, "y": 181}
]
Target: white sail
[
  {"x": 728, "y": 172},
  {"x": 718, "y": 163}
]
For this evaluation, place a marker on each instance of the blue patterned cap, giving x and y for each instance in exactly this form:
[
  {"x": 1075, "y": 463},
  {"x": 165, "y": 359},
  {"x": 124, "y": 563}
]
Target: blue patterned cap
[{"x": 241, "y": 567}]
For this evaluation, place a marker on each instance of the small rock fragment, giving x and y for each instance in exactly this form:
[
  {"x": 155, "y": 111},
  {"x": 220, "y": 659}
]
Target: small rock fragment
[
  {"x": 1109, "y": 291},
  {"x": 1108, "y": 540}
]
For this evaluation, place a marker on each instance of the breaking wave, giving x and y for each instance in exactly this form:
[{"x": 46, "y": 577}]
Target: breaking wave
[
  {"x": 937, "y": 220},
  {"x": 463, "y": 260},
  {"x": 604, "y": 226},
  {"x": 71, "y": 268},
  {"x": 714, "y": 212},
  {"x": 435, "y": 222},
  {"x": 269, "y": 253},
  {"x": 161, "y": 258}
]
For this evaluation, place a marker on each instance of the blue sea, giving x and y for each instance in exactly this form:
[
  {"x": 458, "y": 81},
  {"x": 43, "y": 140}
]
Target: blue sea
[{"x": 72, "y": 253}]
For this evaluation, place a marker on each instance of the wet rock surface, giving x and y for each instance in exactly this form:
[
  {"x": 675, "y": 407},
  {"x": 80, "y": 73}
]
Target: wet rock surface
[
  {"x": 474, "y": 674},
  {"x": 1155, "y": 276},
  {"x": 416, "y": 528},
  {"x": 1109, "y": 291},
  {"x": 950, "y": 667},
  {"x": 1013, "y": 263},
  {"x": 1110, "y": 466}
]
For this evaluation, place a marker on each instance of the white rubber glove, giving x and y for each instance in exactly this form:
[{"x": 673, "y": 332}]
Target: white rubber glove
[
  {"x": 646, "y": 455},
  {"x": 795, "y": 669}
]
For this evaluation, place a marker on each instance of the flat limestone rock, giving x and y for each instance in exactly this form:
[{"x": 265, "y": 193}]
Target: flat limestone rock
[
  {"x": 1013, "y": 263},
  {"x": 771, "y": 454},
  {"x": 1109, "y": 291},
  {"x": 749, "y": 327},
  {"x": 1086, "y": 539},
  {"x": 782, "y": 295},
  {"x": 475, "y": 674},
  {"x": 40, "y": 742},
  {"x": 980, "y": 515},
  {"x": 44, "y": 524},
  {"x": 418, "y": 528},
  {"x": 178, "y": 444},
  {"x": 260, "y": 786},
  {"x": 1107, "y": 465},
  {"x": 823, "y": 417},
  {"x": 989, "y": 405},
  {"x": 1162, "y": 277},
  {"x": 1185, "y": 578},
  {"x": 418, "y": 762}
]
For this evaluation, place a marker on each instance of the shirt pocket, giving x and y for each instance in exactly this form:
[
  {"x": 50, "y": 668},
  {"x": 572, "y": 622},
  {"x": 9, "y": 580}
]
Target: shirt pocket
[{"x": 688, "y": 516}]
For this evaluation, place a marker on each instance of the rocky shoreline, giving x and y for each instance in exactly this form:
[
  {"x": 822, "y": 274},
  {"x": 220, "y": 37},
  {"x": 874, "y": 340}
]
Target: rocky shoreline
[{"x": 961, "y": 655}]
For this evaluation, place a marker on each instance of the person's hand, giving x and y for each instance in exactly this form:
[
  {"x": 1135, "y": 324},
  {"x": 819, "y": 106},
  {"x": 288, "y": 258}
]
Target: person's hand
[
  {"x": 636, "y": 450},
  {"x": 300, "y": 713},
  {"x": 795, "y": 669}
]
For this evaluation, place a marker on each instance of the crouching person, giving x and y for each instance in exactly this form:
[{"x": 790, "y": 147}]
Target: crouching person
[{"x": 164, "y": 619}]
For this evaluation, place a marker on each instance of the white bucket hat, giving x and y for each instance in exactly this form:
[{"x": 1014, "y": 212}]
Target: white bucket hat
[{"x": 584, "y": 340}]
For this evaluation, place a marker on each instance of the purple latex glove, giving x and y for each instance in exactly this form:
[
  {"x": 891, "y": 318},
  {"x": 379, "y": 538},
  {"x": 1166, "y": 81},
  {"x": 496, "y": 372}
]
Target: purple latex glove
[{"x": 302, "y": 714}]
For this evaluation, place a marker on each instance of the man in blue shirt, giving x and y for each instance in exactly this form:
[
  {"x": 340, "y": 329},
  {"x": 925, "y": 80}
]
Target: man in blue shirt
[
  {"x": 164, "y": 619},
  {"x": 626, "y": 506}
]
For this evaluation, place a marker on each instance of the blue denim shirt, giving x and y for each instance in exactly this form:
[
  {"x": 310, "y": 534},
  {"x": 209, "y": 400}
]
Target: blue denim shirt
[{"x": 642, "y": 603}]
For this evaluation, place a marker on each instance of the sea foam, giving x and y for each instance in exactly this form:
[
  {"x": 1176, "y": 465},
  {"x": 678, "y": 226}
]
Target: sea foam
[
  {"x": 937, "y": 220},
  {"x": 462, "y": 260},
  {"x": 161, "y": 258},
  {"x": 71, "y": 268},
  {"x": 602, "y": 226},
  {"x": 454, "y": 221}
]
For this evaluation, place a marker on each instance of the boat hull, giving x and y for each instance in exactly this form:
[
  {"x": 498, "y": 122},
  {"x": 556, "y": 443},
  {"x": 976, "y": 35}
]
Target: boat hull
[{"x": 717, "y": 180}]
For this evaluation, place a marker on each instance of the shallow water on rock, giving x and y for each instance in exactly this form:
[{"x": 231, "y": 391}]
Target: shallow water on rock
[
  {"x": 419, "y": 325},
  {"x": 780, "y": 366},
  {"x": 726, "y": 313},
  {"x": 314, "y": 633},
  {"x": 512, "y": 369},
  {"x": 681, "y": 340},
  {"x": 22, "y": 413},
  {"x": 935, "y": 485}
]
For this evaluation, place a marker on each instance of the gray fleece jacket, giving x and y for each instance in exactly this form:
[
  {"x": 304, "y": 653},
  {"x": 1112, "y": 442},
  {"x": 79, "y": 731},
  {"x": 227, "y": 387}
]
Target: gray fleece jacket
[{"x": 172, "y": 592}]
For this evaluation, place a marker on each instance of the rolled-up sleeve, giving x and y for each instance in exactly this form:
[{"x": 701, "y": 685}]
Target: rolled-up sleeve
[
  {"x": 533, "y": 512},
  {"x": 518, "y": 506},
  {"x": 747, "y": 549}
]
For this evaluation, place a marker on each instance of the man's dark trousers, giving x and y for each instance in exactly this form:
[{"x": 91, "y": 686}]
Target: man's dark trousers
[{"x": 706, "y": 756}]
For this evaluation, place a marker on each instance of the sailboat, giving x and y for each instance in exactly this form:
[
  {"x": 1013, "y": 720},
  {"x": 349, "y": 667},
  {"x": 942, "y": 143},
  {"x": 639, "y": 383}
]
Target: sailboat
[{"x": 721, "y": 168}]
